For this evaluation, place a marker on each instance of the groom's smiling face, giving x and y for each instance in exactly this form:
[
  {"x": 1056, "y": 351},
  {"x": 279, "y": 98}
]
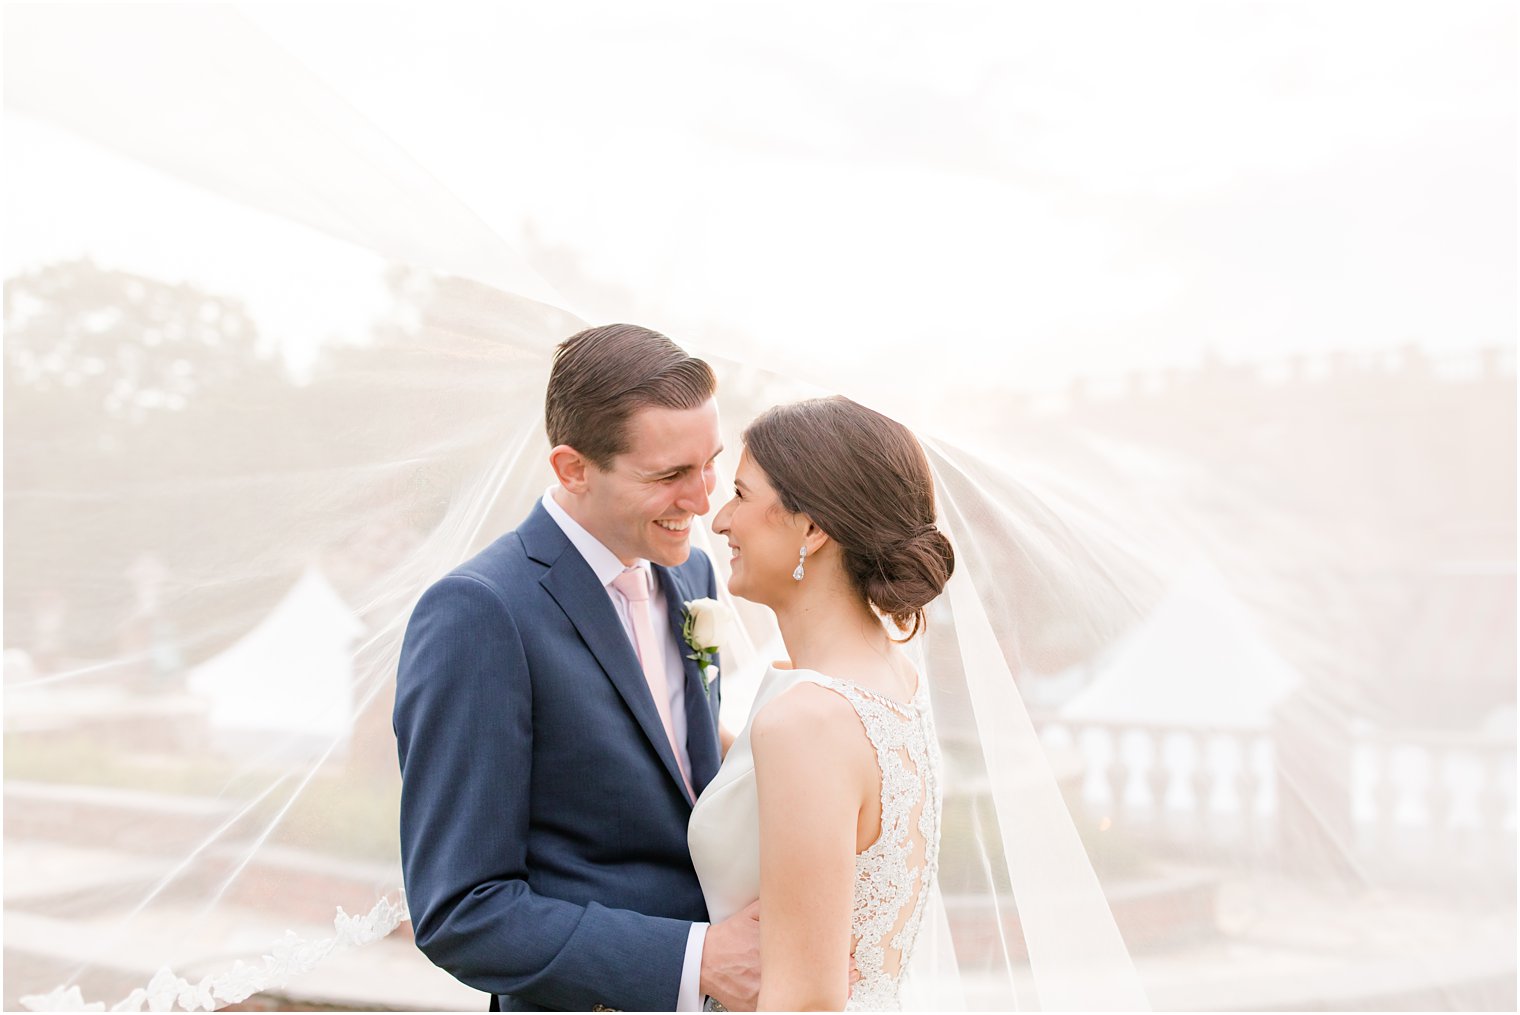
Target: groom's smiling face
[{"x": 646, "y": 500}]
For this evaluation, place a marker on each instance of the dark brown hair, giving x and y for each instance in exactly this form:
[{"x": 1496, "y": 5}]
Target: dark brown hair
[
  {"x": 864, "y": 479},
  {"x": 602, "y": 376}
]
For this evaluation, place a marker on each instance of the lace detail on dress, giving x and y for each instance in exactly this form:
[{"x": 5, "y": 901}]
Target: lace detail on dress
[{"x": 893, "y": 875}]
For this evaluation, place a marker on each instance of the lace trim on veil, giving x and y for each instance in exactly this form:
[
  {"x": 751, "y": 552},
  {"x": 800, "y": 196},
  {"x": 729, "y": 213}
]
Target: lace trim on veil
[{"x": 287, "y": 958}]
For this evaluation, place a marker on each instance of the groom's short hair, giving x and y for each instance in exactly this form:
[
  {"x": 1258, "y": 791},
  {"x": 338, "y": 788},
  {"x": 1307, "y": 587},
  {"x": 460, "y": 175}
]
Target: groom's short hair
[{"x": 602, "y": 376}]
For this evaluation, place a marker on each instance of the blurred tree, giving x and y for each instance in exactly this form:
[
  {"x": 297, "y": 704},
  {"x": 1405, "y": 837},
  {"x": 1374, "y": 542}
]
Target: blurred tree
[
  {"x": 129, "y": 344},
  {"x": 119, "y": 389}
]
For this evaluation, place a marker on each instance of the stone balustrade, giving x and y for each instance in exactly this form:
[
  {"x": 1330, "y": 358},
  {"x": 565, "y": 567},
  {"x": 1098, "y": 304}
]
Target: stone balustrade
[{"x": 1407, "y": 797}]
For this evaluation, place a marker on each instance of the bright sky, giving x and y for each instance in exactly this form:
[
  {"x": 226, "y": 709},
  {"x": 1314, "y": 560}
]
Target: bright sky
[{"x": 1065, "y": 189}]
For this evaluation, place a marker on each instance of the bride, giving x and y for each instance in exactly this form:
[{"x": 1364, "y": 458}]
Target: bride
[{"x": 827, "y": 806}]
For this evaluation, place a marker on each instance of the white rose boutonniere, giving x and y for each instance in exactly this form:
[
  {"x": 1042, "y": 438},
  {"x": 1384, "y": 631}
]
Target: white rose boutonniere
[{"x": 706, "y": 630}]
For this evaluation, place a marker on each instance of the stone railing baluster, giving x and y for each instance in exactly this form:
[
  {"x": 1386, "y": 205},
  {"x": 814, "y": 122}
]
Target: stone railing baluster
[
  {"x": 1248, "y": 783},
  {"x": 1157, "y": 777},
  {"x": 1117, "y": 772}
]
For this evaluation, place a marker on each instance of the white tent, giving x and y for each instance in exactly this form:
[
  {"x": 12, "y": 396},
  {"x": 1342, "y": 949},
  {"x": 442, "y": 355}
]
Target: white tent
[
  {"x": 1198, "y": 660},
  {"x": 291, "y": 674}
]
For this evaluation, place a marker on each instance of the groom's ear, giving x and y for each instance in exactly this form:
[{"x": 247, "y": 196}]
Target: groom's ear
[{"x": 569, "y": 467}]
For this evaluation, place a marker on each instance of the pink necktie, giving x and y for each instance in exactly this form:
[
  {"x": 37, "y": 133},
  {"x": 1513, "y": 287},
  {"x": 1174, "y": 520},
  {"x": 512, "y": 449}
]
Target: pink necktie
[{"x": 634, "y": 585}]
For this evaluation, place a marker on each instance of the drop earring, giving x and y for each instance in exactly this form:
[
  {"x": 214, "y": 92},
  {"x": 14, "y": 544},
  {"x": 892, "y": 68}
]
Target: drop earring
[{"x": 802, "y": 556}]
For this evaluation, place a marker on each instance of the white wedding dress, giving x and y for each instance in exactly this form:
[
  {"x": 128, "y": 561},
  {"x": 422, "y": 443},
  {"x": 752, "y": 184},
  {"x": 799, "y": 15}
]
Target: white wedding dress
[{"x": 892, "y": 876}]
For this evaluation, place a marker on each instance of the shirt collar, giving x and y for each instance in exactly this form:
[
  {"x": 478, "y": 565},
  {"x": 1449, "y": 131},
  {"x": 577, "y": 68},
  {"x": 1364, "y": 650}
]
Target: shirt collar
[{"x": 604, "y": 563}]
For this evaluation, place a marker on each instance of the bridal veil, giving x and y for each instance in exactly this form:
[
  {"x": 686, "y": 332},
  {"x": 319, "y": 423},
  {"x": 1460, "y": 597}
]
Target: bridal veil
[{"x": 1224, "y": 679}]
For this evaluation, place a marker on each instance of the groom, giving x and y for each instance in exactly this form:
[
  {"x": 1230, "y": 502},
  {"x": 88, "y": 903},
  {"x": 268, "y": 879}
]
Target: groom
[{"x": 552, "y": 734}]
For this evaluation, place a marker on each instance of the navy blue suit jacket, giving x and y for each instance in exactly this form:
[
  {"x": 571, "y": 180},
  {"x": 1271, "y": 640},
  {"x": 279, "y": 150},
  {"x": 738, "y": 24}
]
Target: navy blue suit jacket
[{"x": 543, "y": 818}]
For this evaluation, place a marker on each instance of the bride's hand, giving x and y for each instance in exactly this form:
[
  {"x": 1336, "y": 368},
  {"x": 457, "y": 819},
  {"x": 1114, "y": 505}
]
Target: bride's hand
[{"x": 731, "y": 960}]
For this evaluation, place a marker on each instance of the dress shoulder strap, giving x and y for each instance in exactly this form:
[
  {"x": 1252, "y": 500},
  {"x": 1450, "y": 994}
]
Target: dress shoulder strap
[{"x": 879, "y": 714}]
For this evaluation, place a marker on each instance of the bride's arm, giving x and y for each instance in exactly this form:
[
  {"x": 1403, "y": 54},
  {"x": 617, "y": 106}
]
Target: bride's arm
[
  {"x": 810, "y": 787},
  {"x": 725, "y": 740}
]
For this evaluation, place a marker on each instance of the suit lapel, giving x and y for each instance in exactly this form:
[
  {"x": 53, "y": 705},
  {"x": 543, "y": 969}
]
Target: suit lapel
[
  {"x": 574, "y": 587},
  {"x": 701, "y": 726}
]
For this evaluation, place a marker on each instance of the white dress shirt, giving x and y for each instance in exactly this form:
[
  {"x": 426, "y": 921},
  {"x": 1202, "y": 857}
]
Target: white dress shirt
[{"x": 606, "y": 566}]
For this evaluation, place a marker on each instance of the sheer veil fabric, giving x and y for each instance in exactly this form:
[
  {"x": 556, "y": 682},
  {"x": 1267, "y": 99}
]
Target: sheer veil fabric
[{"x": 1165, "y": 778}]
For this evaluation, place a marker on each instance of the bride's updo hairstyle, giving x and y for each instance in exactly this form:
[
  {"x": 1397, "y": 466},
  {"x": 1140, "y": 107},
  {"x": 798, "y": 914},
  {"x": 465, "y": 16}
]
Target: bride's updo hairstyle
[{"x": 864, "y": 479}]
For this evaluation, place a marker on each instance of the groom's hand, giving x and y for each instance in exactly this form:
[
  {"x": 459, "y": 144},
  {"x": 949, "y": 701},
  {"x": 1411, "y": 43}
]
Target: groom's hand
[{"x": 731, "y": 960}]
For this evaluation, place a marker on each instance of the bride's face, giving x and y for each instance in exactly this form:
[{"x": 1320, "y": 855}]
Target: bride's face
[{"x": 762, "y": 537}]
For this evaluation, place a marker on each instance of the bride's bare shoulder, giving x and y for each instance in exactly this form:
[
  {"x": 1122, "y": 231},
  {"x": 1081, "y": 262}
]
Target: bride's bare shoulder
[{"x": 808, "y": 720}]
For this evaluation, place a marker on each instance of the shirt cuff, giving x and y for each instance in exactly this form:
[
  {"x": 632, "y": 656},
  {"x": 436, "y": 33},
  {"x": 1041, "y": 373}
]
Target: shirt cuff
[{"x": 690, "y": 996}]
